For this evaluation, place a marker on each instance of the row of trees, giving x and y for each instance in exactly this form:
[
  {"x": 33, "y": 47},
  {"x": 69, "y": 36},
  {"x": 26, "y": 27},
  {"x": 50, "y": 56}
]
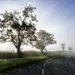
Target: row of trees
[
  {"x": 19, "y": 27},
  {"x": 63, "y": 47}
]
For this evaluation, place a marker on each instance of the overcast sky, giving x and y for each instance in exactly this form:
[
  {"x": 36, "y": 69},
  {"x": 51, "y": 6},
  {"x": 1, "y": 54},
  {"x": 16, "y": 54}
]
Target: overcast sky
[{"x": 54, "y": 16}]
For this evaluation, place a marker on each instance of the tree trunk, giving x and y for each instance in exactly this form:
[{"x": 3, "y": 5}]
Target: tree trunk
[
  {"x": 19, "y": 54},
  {"x": 43, "y": 49},
  {"x": 63, "y": 49}
]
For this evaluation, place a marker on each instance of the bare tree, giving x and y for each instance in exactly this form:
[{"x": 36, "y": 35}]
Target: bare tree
[
  {"x": 18, "y": 27},
  {"x": 63, "y": 46},
  {"x": 43, "y": 39}
]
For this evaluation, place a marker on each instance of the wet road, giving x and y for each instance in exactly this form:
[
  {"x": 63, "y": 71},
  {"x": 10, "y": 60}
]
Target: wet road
[{"x": 60, "y": 65}]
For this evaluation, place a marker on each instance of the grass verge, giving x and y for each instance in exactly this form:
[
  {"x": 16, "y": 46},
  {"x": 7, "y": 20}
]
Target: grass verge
[{"x": 7, "y": 64}]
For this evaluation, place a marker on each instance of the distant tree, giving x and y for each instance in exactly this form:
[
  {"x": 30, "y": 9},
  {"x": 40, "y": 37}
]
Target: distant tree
[
  {"x": 63, "y": 46},
  {"x": 18, "y": 27},
  {"x": 70, "y": 49},
  {"x": 43, "y": 39}
]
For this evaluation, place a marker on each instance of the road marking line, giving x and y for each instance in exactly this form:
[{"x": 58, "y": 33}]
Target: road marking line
[
  {"x": 51, "y": 58},
  {"x": 44, "y": 64},
  {"x": 42, "y": 71},
  {"x": 47, "y": 61}
]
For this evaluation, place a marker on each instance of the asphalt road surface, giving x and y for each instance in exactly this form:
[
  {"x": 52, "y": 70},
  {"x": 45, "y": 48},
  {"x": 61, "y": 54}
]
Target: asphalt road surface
[{"x": 60, "y": 65}]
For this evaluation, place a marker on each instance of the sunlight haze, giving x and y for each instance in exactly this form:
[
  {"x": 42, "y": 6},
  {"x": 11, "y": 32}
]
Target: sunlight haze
[{"x": 54, "y": 16}]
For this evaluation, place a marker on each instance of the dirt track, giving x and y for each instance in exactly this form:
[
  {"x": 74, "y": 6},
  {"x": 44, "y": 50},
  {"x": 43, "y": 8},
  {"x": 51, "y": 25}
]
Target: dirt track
[{"x": 60, "y": 65}]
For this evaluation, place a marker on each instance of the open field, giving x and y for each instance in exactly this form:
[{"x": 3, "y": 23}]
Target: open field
[{"x": 7, "y": 55}]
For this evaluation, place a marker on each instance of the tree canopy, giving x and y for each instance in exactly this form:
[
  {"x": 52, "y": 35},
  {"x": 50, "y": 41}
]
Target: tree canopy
[
  {"x": 18, "y": 27},
  {"x": 43, "y": 39}
]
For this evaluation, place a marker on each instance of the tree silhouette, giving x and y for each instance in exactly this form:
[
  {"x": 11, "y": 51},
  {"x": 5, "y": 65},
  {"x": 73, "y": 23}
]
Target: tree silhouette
[
  {"x": 63, "y": 46},
  {"x": 18, "y": 27},
  {"x": 70, "y": 49},
  {"x": 43, "y": 39}
]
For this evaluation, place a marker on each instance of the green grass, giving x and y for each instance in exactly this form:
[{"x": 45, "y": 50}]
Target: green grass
[{"x": 7, "y": 64}]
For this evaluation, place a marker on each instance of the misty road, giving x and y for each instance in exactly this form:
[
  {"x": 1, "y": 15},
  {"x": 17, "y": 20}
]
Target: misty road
[{"x": 60, "y": 65}]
